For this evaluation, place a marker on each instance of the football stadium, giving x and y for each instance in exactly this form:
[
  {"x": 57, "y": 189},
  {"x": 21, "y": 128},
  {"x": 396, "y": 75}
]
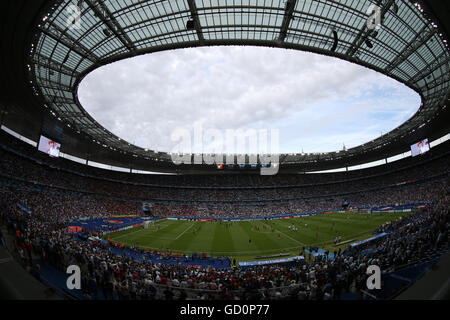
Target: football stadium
[{"x": 90, "y": 212}]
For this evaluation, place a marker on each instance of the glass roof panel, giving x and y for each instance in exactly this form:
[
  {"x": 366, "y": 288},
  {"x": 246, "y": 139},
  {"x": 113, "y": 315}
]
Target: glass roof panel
[{"x": 124, "y": 28}]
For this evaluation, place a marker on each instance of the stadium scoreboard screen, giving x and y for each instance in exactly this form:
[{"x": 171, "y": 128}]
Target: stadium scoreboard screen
[
  {"x": 420, "y": 147},
  {"x": 49, "y": 146}
]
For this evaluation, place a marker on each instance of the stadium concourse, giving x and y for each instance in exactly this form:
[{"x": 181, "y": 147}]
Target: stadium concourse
[{"x": 40, "y": 197}]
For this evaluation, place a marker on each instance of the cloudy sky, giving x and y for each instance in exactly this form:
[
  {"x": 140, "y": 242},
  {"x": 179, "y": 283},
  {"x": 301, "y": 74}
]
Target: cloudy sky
[{"x": 316, "y": 103}]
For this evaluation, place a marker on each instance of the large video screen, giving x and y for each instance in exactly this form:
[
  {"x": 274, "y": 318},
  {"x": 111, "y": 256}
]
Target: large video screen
[
  {"x": 48, "y": 146},
  {"x": 420, "y": 147}
]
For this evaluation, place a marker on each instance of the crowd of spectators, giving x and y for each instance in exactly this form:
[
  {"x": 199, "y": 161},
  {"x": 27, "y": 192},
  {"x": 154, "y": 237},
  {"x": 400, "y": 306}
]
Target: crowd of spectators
[
  {"x": 401, "y": 186},
  {"x": 15, "y": 166},
  {"x": 69, "y": 204},
  {"x": 120, "y": 277},
  {"x": 34, "y": 166},
  {"x": 230, "y": 181},
  {"x": 36, "y": 207}
]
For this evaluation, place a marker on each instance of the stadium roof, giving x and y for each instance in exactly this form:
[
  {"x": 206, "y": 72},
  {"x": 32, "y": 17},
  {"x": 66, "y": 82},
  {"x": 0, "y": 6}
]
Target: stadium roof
[{"x": 409, "y": 47}]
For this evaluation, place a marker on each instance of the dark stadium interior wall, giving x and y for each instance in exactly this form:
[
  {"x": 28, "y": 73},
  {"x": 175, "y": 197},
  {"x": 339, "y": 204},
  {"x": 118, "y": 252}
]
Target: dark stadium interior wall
[
  {"x": 22, "y": 122},
  {"x": 16, "y": 19}
]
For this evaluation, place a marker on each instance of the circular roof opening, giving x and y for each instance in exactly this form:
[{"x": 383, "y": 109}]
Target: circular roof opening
[{"x": 317, "y": 103}]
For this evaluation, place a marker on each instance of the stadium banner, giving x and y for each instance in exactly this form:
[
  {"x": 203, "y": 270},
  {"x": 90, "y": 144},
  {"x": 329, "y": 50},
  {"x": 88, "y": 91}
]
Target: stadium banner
[
  {"x": 74, "y": 229},
  {"x": 273, "y": 261},
  {"x": 326, "y": 212},
  {"x": 114, "y": 221}
]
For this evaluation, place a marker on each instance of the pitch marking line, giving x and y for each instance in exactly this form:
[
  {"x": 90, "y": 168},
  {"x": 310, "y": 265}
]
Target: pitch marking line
[
  {"x": 162, "y": 225},
  {"x": 185, "y": 231},
  {"x": 139, "y": 230},
  {"x": 301, "y": 243},
  {"x": 127, "y": 234}
]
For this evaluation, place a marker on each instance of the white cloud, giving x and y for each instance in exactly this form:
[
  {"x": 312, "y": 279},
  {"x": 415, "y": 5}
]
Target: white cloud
[{"x": 315, "y": 101}]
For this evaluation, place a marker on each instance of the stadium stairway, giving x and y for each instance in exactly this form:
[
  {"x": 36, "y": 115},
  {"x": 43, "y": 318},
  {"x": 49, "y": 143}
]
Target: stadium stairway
[
  {"x": 406, "y": 276},
  {"x": 57, "y": 279},
  {"x": 435, "y": 284},
  {"x": 16, "y": 283}
]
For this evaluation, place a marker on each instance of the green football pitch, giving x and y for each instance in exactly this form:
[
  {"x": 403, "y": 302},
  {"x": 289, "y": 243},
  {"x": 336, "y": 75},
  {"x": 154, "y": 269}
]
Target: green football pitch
[{"x": 248, "y": 239}]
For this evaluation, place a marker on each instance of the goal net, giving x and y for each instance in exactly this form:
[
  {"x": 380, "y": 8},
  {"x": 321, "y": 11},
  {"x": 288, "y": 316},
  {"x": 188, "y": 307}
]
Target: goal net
[{"x": 146, "y": 224}]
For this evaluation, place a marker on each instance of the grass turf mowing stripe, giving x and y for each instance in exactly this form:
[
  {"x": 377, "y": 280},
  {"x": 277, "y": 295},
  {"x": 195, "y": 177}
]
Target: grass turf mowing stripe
[
  {"x": 268, "y": 240},
  {"x": 158, "y": 238},
  {"x": 199, "y": 240},
  {"x": 309, "y": 234},
  {"x": 222, "y": 240}
]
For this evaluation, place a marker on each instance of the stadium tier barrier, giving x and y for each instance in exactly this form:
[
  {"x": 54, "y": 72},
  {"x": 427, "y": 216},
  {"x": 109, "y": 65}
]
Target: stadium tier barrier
[{"x": 244, "y": 264}]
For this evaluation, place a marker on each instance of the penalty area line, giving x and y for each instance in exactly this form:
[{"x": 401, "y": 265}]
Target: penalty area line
[
  {"x": 301, "y": 243},
  {"x": 185, "y": 231},
  {"x": 127, "y": 234},
  {"x": 139, "y": 230}
]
